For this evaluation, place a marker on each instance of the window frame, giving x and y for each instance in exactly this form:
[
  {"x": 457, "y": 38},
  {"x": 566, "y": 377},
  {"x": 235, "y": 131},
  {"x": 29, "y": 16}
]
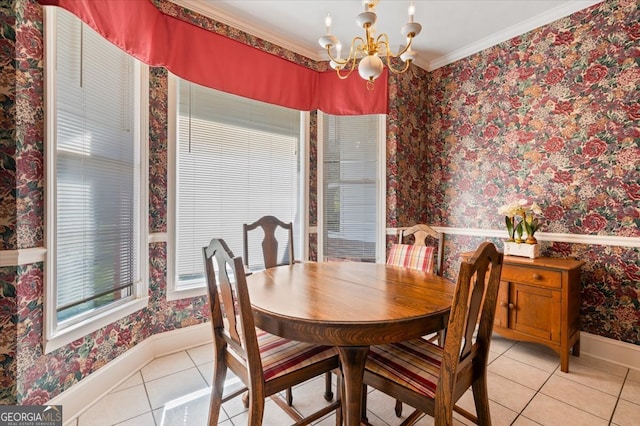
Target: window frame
[
  {"x": 381, "y": 186},
  {"x": 54, "y": 335},
  {"x": 174, "y": 292}
]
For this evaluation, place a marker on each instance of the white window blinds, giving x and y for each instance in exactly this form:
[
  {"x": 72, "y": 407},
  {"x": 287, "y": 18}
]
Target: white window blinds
[
  {"x": 350, "y": 167},
  {"x": 237, "y": 161},
  {"x": 97, "y": 170}
]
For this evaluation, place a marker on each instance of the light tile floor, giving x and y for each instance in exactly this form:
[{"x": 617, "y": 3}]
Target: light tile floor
[{"x": 526, "y": 387}]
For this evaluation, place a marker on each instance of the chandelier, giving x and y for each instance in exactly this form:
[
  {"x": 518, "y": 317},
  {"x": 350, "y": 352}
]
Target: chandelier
[{"x": 369, "y": 50}]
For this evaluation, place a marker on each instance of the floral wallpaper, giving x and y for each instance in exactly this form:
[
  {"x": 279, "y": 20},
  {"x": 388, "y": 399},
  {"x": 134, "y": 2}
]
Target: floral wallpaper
[
  {"x": 8, "y": 332},
  {"x": 552, "y": 116},
  {"x": 7, "y": 129},
  {"x": 158, "y": 149},
  {"x": 407, "y": 132},
  {"x": 27, "y": 375}
]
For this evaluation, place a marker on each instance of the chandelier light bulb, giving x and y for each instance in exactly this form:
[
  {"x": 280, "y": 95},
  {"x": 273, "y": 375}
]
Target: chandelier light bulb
[
  {"x": 327, "y": 23},
  {"x": 412, "y": 11},
  {"x": 334, "y": 63}
]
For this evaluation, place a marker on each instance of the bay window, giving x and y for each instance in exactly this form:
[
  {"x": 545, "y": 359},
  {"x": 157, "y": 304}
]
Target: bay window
[{"x": 96, "y": 180}]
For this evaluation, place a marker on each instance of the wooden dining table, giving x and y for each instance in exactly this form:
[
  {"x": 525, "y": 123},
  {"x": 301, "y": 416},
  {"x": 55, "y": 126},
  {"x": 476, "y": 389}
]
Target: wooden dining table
[{"x": 349, "y": 305}]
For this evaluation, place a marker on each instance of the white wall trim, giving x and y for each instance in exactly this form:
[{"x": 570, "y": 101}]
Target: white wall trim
[
  {"x": 158, "y": 237},
  {"x": 381, "y": 190},
  {"x": 22, "y": 256},
  {"x": 38, "y": 254},
  {"x": 614, "y": 351},
  {"x": 82, "y": 395},
  {"x": 319, "y": 188},
  {"x": 603, "y": 240}
]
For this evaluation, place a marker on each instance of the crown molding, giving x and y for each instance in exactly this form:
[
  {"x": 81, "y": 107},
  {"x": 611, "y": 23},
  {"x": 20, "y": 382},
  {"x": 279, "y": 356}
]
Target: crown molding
[
  {"x": 554, "y": 14},
  {"x": 209, "y": 10}
]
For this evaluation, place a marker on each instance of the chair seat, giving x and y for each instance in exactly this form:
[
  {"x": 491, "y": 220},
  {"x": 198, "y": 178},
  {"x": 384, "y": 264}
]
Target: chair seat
[
  {"x": 414, "y": 364},
  {"x": 281, "y": 356}
]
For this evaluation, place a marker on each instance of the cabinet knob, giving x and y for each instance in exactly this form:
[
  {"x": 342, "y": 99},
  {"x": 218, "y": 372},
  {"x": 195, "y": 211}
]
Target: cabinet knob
[
  {"x": 536, "y": 276},
  {"x": 511, "y": 306}
]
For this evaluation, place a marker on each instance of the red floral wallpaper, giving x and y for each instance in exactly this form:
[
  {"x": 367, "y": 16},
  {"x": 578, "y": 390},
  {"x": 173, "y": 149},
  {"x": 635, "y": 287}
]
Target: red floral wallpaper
[{"x": 551, "y": 116}]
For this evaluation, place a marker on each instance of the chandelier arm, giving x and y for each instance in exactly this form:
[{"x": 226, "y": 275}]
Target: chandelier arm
[
  {"x": 352, "y": 55},
  {"x": 383, "y": 39},
  {"x": 353, "y": 50},
  {"x": 398, "y": 71},
  {"x": 349, "y": 69},
  {"x": 336, "y": 60}
]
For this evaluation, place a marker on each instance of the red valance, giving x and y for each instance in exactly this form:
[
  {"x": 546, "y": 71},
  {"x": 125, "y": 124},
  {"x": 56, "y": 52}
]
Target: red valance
[{"x": 215, "y": 61}]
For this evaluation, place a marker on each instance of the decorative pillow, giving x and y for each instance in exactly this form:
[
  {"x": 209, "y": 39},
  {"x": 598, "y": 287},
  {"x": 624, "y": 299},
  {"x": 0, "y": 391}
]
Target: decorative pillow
[{"x": 413, "y": 257}]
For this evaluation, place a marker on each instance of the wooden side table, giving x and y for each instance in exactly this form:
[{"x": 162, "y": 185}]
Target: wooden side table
[{"x": 539, "y": 301}]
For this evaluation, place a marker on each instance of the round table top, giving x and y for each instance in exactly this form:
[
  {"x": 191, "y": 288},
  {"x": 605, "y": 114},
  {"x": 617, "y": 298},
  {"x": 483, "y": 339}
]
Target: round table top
[{"x": 349, "y": 303}]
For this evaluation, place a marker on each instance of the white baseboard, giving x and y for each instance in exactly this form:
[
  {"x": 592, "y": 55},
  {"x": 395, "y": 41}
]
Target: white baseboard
[
  {"x": 83, "y": 394},
  {"x": 614, "y": 351}
]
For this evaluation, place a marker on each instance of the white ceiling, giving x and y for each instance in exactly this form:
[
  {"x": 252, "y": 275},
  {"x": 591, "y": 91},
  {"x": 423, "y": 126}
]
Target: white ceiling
[{"x": 451, "y": 29}]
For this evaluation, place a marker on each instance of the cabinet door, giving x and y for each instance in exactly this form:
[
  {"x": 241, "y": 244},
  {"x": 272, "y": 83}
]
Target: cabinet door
[
  {"x": 502, "y": 306},
  {"x": 535, "y": 311}
]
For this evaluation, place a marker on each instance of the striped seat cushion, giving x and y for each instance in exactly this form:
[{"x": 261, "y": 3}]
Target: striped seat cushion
[
  {"x": 414, "y": 364},
  {"x": 281, "y": 356},
  {"x": 411, "y": 256}
]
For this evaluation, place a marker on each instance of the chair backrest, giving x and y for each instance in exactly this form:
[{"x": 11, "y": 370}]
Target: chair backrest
[
  {"x": 416, "y": 258},
  {"x": 412, "y": 257},
  {"x": 270, "y": 225},
  {"x": 474, "y": 303},
  {"x": 234, "y": 333}
]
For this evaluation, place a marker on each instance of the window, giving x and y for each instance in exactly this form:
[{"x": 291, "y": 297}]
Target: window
[
  {"x": 96, "y": 260},
  {"x": 236, "y": 160},
  {"x": 352, "y": 187}
]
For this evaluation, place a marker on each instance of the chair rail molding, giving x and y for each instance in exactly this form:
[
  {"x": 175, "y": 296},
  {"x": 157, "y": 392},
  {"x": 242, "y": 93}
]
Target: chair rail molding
[
  {"x": 22, "y": 256},
  {"x": 603, "y": 240},
  {"x": 158, "y": 237},
  {"x": 28, "y": 256}
]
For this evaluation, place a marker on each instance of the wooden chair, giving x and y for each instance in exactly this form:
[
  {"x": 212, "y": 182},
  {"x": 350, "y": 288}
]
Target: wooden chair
[
  {"x": 421, "y": 234},
  {"x": 265, "y": 363},
  {"x": 269, "y": 226},
  {"x": 422, "y": 256},
  {"x": 432, "y": 378}
]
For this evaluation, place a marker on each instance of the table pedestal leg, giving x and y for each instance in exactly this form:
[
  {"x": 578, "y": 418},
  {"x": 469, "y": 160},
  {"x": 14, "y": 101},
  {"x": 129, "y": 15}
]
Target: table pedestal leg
[{"x": 353, "y": 359}]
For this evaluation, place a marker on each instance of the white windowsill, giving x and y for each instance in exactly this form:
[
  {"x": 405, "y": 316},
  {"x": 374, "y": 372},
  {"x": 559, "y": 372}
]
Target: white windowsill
[
  {"x": 186, "y": 293},
  {"x": 70, "y": 334}
]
